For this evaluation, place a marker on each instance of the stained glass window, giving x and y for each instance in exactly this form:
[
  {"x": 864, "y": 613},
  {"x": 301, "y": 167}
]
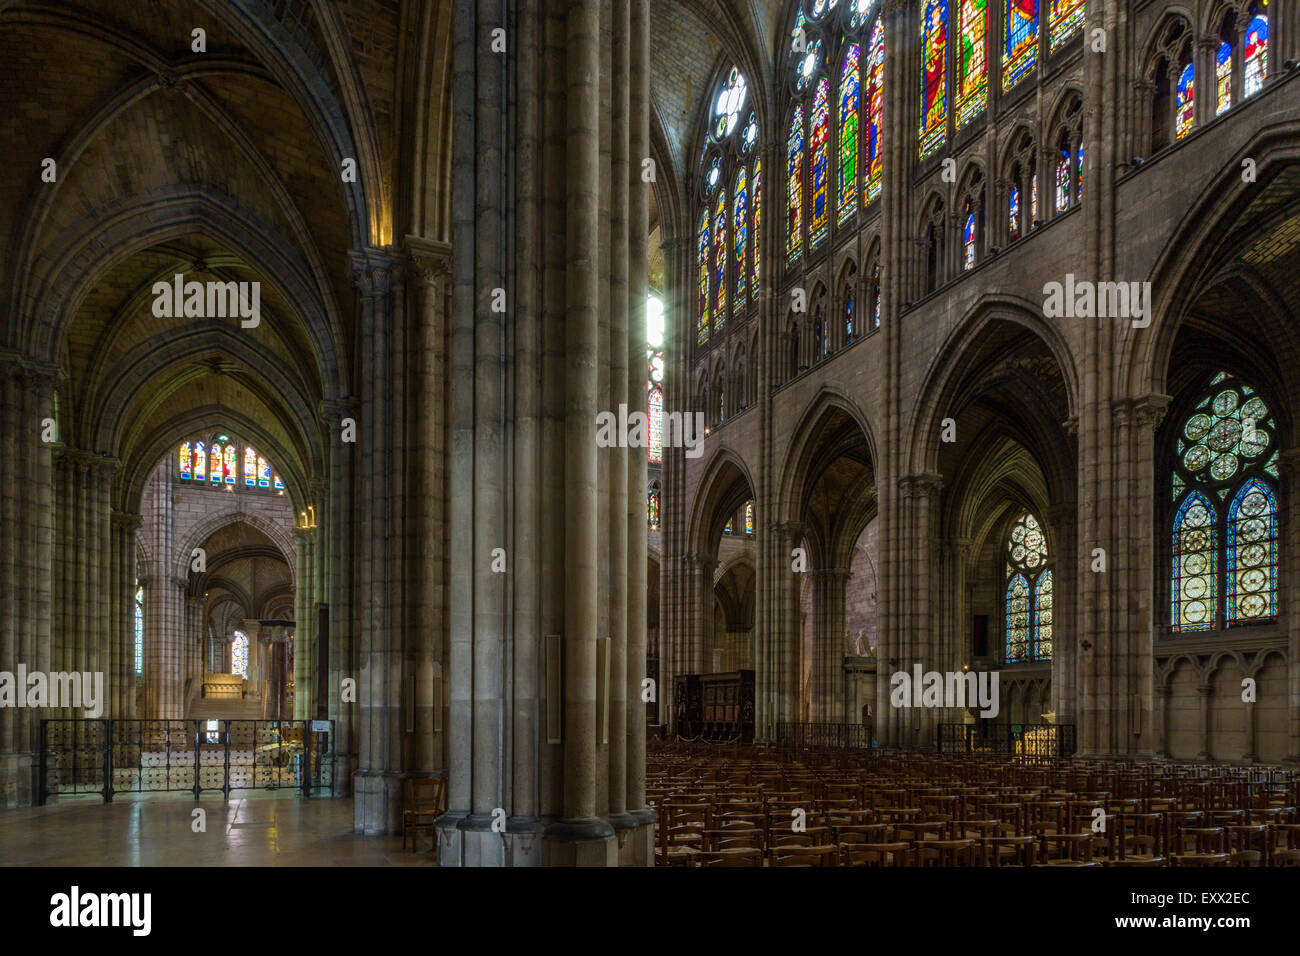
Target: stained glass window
[
  {"x": 758, "y": 228},
  {"x": 654, "y": 334},
  {"x": 875, "y": 295},
  {"x": 184, "y": 461},
  {"x": 720, "y": 262},
  {"x": 1195, "y": 560},
  {"x": 1029, "y": 593},
  {"x": 714, "y": 175},
  {"x": 250, "y": 466},
  {"x": 1063, "y": 181},
  {"x": 139, "y": 630},
  {"x": 972, "y": 65},
  {"x": 794, "y": 187},
  {"x": 656, "y": 424},
  {"x": 726, "y": 110},
  {"x": 727, "y": 529},
  {"x": 1020, "y": 41},
  {"x": 1033, "y": 198},
  {"x": 819, "y": 160},
  {"x": 652, "y": 507},
  {"x": 1225, "y": 518},
  {"x": 968, "y": 242},
  {"x": 750, "y": 136},
  {"x": 1256, "y": 54},
  {"x": 1078, "y": 177},
  {"x": 1013, "y": 213},
  {"x": 875, "y": 109},
  {"x": 807, "y": 66},
  {"x": 848, "y": 191},
  {"x": 749, "y": 517},
  {"x": 1043, "y": 616},
  {"x": 231, "y": 464},
  {"x": 1252, "y": 554},
  {"x": 1065, "y": 18},
  {"x": 848, "y": 319},
  {"x": 200, "y": 461},
  {"x": 702, "y": 258},
  {"x": 1223, "y": 77},
  {"x": 934, "y": 85},
  {"x": 740, "y": 230},
  {"x": 1184, "y": 106},
  {"x": 1017, "y": 619},
  {"x": 215, "y": 461},
  {"x": 239, "y": 654}
]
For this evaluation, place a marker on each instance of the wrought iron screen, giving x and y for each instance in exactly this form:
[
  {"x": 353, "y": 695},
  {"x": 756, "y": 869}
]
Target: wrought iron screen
[{"x": 107, "y": 757}]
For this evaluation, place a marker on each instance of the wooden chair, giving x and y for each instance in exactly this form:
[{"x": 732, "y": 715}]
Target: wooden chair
[
  {"x": 734, "y": 856},
  {"x": 945, "y": 852},
  {"x": 805, "y": 856},
  {"x": 424, "y": 799},
  {"x": 877, "y": 854}
]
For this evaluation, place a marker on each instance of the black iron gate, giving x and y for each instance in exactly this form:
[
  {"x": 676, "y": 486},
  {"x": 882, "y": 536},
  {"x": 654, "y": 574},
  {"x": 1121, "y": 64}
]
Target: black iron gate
[{"x": 107, "y": 757}]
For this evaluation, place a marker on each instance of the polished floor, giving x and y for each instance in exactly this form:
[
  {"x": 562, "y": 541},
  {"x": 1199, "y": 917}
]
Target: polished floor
[{"x": 256, "y": 829}]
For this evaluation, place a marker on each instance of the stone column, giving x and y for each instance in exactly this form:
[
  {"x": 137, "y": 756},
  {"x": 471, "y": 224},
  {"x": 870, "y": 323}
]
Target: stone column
[
  {"x": 341, "y": 561},
  {"x": 378, "y": 780},
  {"x": 301, "y": 643},
  {"x": 429, "y": 265},
  {"x": 1289, "y": 589},
  {"x": 639, "y": 846}
]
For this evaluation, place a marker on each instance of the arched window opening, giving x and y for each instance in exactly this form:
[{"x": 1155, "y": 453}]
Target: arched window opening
[
  {"x": 749, "y": 517},
  {"x": 217, "y": 464},
  {"x": 239, "y": 654},
  {"x": 1223, "y": 65},
  {"x": 728, "y": 193},
  {"x": 1256, "y": 54},
  {"x": 1224, "y": 524},
  {"x": 1028, "y": 612},
  {"x": 652, "y": 506},
  {"x": 1184, "y": 107}
]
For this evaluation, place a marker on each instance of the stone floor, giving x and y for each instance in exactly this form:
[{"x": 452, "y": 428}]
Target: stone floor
[{"x": 257, "y": 829}]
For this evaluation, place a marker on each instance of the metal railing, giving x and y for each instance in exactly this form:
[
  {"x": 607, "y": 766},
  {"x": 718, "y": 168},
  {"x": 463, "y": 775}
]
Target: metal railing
[
  {"x": 1027, "y": 740},
  {"x": 108, "y": 757},
  {"x": 843, "y": 736}
]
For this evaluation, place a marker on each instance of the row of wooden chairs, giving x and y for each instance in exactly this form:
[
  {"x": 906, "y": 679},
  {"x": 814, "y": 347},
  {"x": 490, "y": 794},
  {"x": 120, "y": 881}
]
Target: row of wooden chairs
[{"x": 837, "y": 808}]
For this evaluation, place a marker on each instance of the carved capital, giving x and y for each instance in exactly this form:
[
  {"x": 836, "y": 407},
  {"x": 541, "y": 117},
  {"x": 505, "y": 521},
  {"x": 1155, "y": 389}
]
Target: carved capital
[
  {"x": 1149, "y": 410},
  {"x": 922, "y": 485}
]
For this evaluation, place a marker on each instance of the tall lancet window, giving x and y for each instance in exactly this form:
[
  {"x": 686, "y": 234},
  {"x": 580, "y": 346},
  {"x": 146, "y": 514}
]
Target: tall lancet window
[
  {"x": 727, "y": 194},
  {"x": 848, "y": 165},
  {"x": 1028, "y": 593},
  {"x": 1224, "y": 507},
  {"x": 138, "y": 654},
  {"x": 1256, "y": 52},
  {"x": 239, "y": 654},
  {"x": 1019, "y": 41},
  {"x": 934, "y": 76}
]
